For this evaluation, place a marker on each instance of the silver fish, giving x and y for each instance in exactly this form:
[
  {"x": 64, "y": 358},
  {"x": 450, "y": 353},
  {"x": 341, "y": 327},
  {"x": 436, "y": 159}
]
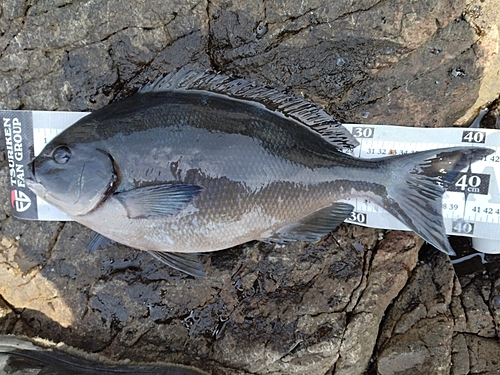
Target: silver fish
[{"x": 198, "y": 162}]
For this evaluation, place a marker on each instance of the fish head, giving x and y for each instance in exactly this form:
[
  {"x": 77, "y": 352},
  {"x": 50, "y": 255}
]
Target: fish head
[{"x": 74, "y": 177}]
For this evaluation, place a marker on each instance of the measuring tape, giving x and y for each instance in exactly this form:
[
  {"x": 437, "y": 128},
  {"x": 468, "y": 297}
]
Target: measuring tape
[{"x": 471, "y": 205}]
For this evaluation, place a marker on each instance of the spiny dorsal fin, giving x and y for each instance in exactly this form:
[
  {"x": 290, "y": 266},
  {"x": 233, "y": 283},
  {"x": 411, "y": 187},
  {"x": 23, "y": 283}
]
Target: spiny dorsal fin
[{"x": 299, "y": 109}]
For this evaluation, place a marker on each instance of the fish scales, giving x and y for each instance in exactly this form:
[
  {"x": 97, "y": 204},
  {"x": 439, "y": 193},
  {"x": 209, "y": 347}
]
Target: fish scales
[
  {"x": 252, "y": 166},
  {"x": 199, "y": 162}
]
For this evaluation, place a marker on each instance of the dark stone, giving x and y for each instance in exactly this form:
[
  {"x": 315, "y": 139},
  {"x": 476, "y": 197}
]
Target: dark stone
[{"x": 300, "y": 308}]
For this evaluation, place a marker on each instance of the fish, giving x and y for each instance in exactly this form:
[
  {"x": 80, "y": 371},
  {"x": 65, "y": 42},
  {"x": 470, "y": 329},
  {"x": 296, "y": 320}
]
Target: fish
[
  {"x": 21, "y": 355},
  {"x": 197, "y": 162}
]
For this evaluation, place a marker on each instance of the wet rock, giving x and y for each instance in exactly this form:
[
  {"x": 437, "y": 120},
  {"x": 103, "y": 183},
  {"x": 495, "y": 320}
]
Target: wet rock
[
  {"x": 441, "y": 324},
  {"x": 7, "y": 317},
  {"x": 390, "y": 267},
  {"x": 474, "y": 301},
  {"x": 278, "y": 309},
  {"x": 365, "y": 63},
  {"x": 492, "y": 118},
  {"x": 482, "y": 355},
  {"x": 418, "y": 329},
  {"x": 483, "y": 17},
  {"x": 295, "y": 309}
]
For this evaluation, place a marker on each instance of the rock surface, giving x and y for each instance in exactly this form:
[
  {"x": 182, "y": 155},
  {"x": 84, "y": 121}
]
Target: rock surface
[
  {"x": 358, "y": 299},
  {"x": 441, "y": 323}
]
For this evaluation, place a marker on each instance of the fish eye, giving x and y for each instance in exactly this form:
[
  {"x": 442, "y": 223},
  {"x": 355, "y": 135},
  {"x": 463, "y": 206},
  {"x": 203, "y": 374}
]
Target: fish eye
[{"x": 61, "y": 154}]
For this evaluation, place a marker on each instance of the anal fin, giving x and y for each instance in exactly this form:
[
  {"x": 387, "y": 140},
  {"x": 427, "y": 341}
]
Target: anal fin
[
  {"x": 313, "y": 226},
  {"x": 97, "y": 242},
  {"x": 186, "y": 262}
]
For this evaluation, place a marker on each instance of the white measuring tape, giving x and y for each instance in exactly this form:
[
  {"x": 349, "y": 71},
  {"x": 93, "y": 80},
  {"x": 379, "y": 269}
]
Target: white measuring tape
[{"x": 471, "y": 206}]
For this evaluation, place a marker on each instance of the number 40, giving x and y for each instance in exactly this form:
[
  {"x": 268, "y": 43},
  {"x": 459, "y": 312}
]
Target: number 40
[{"x": 463, "y": 227}]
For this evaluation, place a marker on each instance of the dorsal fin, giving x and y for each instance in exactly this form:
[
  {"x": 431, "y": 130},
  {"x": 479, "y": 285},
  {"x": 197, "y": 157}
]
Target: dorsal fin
[{"x": 299, "y": 109}]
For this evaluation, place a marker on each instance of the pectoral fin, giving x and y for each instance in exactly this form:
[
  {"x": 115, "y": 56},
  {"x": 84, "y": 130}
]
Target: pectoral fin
[
  {"x": 314, "y": 226},
  {"x": 157, "y": 200},
  {"x": 97, "y": 242},
  {"x": 187, "y": 263}
]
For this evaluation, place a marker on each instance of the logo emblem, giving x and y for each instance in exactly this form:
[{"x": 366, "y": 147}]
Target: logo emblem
[{"x": 19, "y": 200}]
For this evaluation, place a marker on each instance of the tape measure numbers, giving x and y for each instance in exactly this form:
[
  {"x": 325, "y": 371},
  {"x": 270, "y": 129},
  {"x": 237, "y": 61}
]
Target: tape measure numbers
[{"x": 471, "y": 205}]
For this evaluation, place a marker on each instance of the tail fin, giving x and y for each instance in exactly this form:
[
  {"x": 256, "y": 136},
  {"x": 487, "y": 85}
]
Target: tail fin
[{"x": 418, "y": 182}]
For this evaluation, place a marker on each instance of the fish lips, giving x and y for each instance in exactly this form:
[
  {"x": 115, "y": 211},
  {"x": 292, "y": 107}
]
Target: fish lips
[
  {"x": 30, "y": 180},
  {"x": 36, "y": 187},
  {"x": 32, "y": 183}
]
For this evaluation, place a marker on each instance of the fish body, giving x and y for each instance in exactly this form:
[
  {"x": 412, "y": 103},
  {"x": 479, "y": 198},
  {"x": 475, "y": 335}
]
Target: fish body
[
  {"x": 199, "y": 162},
  {"x": 253, "y": 182}
]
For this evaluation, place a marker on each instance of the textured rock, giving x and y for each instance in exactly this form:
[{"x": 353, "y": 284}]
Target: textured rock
[
  {"x": 390, "y": 267},
  {"x": 295, "y": 309},
  {"x": 440, "y": 324},
  {"x": 418, "y": 329},
  {"x": 7, "y": 317},
  {"x": 484, "y": 17}
]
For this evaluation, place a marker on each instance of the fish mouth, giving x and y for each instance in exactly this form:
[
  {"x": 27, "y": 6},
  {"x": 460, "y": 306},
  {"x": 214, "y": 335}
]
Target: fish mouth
[
  {"x": 31, "y": 182},
  {"x": 37, "y": 188}
]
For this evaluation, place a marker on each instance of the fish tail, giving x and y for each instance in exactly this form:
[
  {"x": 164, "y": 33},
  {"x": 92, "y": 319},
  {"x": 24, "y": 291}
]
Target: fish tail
[{"x": 417, "y": 183}]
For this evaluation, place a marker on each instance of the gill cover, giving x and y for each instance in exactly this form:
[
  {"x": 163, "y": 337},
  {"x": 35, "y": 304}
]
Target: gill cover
[{"x": 76, "y": 178}]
